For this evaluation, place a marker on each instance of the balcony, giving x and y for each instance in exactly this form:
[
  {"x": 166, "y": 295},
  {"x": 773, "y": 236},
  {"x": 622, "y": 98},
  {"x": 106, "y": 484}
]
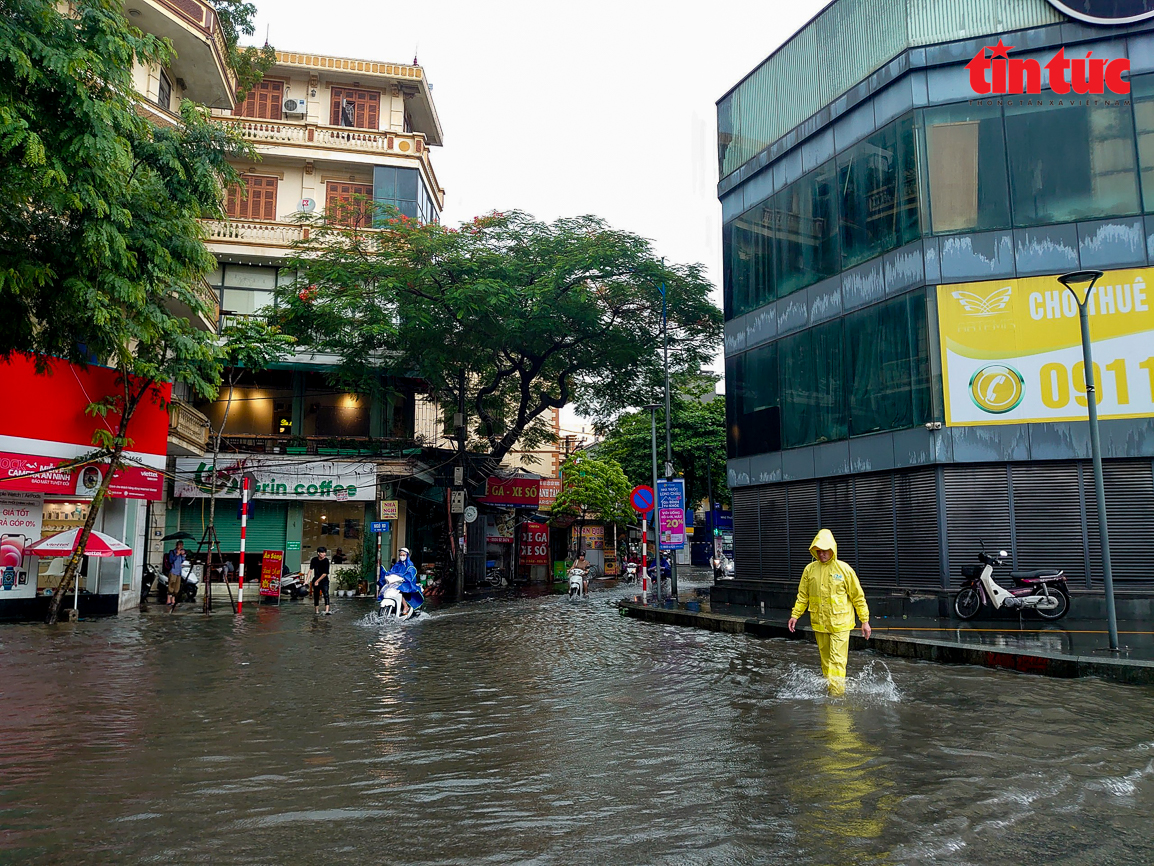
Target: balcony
[
  {"x": 201, "y": 61},
  {"x": 251, "y": 236},
  {"x": 204, "y": 321},
  {"x": 188, "y": 430},
  {"x": 276, "y": 443},
  {"x": 311, "y": 137}
]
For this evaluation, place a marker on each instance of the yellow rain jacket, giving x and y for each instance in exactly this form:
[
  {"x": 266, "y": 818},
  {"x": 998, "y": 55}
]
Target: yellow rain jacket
[{"x": 829, "y": 590}]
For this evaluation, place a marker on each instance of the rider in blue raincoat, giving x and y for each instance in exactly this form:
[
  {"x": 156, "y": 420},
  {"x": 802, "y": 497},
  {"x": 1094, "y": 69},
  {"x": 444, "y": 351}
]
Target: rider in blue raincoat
[{"x": 404, "y": 574}]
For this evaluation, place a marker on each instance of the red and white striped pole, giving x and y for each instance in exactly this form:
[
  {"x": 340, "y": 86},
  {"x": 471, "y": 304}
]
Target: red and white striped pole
[
  {"x": 243, "y": 527},
  {"x": 644, "y": 571}
]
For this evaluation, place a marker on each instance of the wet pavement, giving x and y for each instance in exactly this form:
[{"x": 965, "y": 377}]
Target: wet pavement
[{"x": 539, "y": 730}]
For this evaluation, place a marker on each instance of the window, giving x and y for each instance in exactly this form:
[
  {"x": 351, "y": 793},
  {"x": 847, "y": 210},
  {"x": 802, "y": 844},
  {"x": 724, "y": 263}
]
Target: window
[
  {"x": 753, "y": 409},
  {"x": 256, "y": 201},
  {"x": 1142, "y": 93},
  {"x": 1070, "y": 163},
  {"x": 336, "y": 415},
  {"x": 966, "y": 152},
  {"x": 805, "y": 231},
  {"x": 346, "y": 203},
  {"x": 164, "y": 92},
  {"x": 356, "y": 108},
  {"x": 263, "y": 101},
  {"x": 750, "y": 260},
  {"x": 812, "y": 386},
  {"x": 878, "y": 187},
  {"x": 887, "y": 348},
  {"x": 404, "y": 189}
]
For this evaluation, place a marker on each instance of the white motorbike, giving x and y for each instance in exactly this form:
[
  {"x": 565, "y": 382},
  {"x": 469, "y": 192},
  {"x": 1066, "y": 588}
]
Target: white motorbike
[
  {"x": 393, "y": 601},
  {"x": 577, "y": 578},
  {"x": 189, "y": 583},
  {"x": 630, "y": 572}
]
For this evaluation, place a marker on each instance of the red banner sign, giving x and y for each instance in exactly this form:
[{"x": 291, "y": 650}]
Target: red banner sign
[
  {"x": 271, "y": 566},
  {"x": 28, "y": 474},
  {"x": 521, "y": 492},
  {"x": 548, "y": 491},
  {"x": 534, "y": 544}
]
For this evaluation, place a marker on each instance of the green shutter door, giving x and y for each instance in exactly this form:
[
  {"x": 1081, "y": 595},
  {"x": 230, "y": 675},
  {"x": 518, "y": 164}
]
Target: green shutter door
[{"x": 266, "y": 528}]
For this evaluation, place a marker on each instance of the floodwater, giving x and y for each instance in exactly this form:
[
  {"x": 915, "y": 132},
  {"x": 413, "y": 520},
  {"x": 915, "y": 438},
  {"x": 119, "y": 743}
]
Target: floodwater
[{"x": 544, "y": 731}]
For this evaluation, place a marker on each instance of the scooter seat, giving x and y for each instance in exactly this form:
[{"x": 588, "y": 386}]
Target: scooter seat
[{"x": 1039, "y": 574}]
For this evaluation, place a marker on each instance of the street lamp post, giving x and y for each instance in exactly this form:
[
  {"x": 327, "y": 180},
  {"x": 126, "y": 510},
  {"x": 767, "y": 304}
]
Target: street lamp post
[
  {"x": 653, "y": 407},
  {"x": 1081, "y": 284},
  {"x": 668, "y": 439}
]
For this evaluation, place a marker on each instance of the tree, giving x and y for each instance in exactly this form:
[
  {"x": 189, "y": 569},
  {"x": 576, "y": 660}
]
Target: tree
[
  {"x": 697, "y": 434},
  {"x": 100, "y": 238},
  {"x": 248, "y": 62},
  {"x": 593, "y": 486},
  {"x": 507, "y": 315}
]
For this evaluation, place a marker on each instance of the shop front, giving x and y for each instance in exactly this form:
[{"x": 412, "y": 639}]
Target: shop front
[{"x": 298, "y": 504}]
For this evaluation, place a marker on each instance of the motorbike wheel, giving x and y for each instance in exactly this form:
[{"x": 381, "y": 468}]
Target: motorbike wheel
[
  {"x": 967, "y": 603},
  {"x": 1060, "y": 611}
]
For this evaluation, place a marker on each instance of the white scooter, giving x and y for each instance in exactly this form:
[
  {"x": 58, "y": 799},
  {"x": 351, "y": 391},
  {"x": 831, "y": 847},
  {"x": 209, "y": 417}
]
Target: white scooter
[
  {"x": 577, "y": 578},
  {"x": 392, "y": 602},
  {"x": 190, "y": 581}
]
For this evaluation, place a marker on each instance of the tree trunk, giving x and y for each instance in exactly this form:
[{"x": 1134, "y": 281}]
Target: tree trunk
[{"x": 81, "y": 540}]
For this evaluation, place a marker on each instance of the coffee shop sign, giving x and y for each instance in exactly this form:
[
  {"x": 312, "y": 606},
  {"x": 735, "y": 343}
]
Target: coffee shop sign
[{"x": 280, "y": 479}]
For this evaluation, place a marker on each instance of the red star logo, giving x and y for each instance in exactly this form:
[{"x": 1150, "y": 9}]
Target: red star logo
[{"x": 998, "y": 50}]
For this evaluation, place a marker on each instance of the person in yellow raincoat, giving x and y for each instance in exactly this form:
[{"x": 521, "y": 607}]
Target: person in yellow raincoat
[{"x": 831, "y": 592}]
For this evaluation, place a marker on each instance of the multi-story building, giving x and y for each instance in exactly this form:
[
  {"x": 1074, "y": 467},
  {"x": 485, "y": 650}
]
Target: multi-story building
[
  {"x": 325, "y": 130},
  {"x": 902, "y": 365}
]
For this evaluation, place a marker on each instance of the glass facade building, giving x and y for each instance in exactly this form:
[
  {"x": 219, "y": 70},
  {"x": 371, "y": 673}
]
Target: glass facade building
[{"x": 844, "y": 228}]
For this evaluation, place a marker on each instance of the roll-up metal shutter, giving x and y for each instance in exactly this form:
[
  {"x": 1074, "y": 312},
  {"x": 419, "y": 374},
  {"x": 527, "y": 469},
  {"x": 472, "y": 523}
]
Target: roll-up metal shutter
[
  {"x": 1129, "y": 516},
  {"x": 919, "y": 541},
  {"x": 266, "y": 526},
  {"x": 774, "y": 540},
  {"x": 977, "y": 512},
  {"x": 835, "y": 511},
  {"x": 876, "y": 562},
  {"x": 801, "y": 500},
  {"x": 1048, "y": 518},
  {"x": 746, "y": 534}
]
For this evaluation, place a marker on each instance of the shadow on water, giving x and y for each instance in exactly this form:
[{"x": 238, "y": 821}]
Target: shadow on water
[{"x": 536, "y": 730}]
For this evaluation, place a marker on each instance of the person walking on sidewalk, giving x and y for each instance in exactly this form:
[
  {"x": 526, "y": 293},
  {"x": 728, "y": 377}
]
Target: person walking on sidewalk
[
  {"x": 831, "y": 591},
  {"x": 319, "y": 578}
]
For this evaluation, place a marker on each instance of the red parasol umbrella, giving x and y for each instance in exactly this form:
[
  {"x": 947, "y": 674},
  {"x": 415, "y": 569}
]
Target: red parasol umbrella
[{"x": 64, "y": 544}]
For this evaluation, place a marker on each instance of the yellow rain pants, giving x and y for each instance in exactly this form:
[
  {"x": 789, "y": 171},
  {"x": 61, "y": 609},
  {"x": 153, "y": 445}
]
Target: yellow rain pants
[{"x": 834, "y": 650}]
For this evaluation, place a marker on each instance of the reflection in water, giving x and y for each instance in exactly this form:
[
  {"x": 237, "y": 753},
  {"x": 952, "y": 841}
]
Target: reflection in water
[{"x": 538, "y": 731}]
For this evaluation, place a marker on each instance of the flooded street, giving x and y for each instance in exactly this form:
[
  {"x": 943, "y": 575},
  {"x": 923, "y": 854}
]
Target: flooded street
[{"x": 541, "y": 731}]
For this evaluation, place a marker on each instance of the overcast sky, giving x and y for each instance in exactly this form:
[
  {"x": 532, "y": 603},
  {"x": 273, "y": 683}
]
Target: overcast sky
[{"x": 567, "y": 108}]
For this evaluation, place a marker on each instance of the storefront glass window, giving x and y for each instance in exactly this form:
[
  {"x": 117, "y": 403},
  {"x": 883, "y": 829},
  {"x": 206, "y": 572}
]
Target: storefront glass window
[
  {"x": 1142, "y": 93},
  {"x": 754, "y": 408},
  {"x": 805, "y": 231},
  {"x": 1070, "y": 163},
  {"x": 750, "y": 259},
  {"x": 336, "y": 415},
  {"x": 339, "y": 526},
  {"x": 966, "y": 153},
  {"x": 812, "y": 386},
  {"x": 878, "y": 188}
]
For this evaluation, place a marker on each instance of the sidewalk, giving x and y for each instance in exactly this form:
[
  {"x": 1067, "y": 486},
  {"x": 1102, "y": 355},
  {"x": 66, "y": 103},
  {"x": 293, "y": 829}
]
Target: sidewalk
[{"x": 1046, "y": 649}]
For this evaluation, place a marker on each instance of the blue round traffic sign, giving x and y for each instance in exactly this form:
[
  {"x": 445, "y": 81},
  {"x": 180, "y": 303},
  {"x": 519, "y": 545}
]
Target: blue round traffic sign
[{"x": 642, "y": 498}]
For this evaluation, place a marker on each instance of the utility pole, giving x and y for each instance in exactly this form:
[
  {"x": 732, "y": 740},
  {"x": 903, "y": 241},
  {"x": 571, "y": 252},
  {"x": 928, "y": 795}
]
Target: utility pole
[
  {"x": 668, "y": 440},
  {"x": 656, "y": 505},
  {"x": 459, "y": 522}
]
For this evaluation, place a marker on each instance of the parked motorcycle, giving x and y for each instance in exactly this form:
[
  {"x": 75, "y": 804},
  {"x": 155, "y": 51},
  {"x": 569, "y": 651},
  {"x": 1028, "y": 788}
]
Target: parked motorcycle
[
  {"x": 577, "y": 578},
  {"x": 292, "y": 585},
  {"x": 147, "y": 578},
  {"x": 1043, "y": 591},
  {"x": 189, "y": 583}
]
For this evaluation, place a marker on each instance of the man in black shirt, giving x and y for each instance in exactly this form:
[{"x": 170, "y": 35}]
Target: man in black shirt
[{"x": 319, "y": 578}]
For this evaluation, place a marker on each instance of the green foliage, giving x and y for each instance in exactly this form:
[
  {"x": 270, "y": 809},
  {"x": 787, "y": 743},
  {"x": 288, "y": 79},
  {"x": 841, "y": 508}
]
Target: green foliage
[
  {"x": 251, "y": 343},
  {"x": 592, "y": 486},
  {"x": 697, "y": 434},
  {"x": 250, "y": 63},
  {"x": 538, "y": 315}
]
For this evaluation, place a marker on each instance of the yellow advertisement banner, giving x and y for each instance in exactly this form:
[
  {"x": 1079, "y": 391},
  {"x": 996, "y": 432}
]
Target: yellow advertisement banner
[{"x": 1012, "y": 349}]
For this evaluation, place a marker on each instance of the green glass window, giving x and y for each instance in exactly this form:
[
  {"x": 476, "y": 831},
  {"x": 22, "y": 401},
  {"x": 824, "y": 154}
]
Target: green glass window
[
  {"x": 966, "y": 155},
  {"x": 805, "y": 231},
  {"x": 887, "y": 353},
  {"x": 752, "y": 402},
  {"x": 812, "y": 386},
  {"x": 749, "y": 261},
  {"x": 1070, "y": 162},
  {"x": 878, "y": 188},
  {"x": 1142, "y": 94}
]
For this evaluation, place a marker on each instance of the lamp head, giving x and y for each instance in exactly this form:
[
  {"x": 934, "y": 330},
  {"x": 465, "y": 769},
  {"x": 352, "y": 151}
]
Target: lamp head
[
  {"x": 1080, "y": 283},
  {"x": 652, "y": 406}
]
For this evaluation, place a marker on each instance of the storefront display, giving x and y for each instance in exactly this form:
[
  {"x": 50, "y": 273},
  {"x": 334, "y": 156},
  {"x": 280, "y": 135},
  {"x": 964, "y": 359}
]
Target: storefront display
[{"x": 338, "y": 526}]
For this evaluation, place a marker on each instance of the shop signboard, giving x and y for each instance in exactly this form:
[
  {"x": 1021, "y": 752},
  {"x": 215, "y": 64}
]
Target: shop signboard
[
  {"x": 592, "y": 537},
  {"x": 35, "y": 444},
  {"x": 21, "y": 516},
  {"x": 516, "y": 492},
  {"x": 279, "y": 477},
  {"x": 534, "y": 544},
  {"x": 671, "y": 514},
  {"x": 271, "y": 566},
  {"x": 1012, "y": 349},
  {"x": 390, "y": 508},
  {"x": 547, "y": 492}
]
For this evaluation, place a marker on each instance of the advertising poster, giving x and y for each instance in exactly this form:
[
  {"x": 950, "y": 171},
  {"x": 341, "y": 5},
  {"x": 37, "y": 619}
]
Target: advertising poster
[
  {"x": 547, "y": 492},
  {"x": 517, "y": 492},
  {"x": 278, "y": 477},
  {"x": 271, "y": 566},
  {"x": 1012, "y": 349},
  {"x": 534, "y": 544},
  {"x": 671, "y": 514},
  {"x": 21, "y": 515},
  {"x": 592, "y": 537}
]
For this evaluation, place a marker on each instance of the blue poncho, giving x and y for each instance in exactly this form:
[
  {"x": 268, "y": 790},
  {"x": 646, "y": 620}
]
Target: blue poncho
[{"x": 409, "y": 588}]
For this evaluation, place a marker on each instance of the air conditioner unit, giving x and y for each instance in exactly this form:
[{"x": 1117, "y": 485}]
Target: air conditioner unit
[{"x": 294, "y": 106}]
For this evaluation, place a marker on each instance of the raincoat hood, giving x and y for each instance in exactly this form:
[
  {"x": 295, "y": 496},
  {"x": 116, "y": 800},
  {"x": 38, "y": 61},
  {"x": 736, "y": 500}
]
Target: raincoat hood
[{"x": 824, "y": 540}]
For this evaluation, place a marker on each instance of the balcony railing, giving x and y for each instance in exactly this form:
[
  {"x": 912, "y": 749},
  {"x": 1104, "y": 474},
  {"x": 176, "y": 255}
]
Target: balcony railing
[
  {"x": 249, "y": 232},
  {"x": 352, "y": 446},
  {"x": 187, "y": 428}
]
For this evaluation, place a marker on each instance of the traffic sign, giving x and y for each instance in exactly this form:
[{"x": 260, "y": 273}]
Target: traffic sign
[
  {"x": 379, "y": 526},
  {"x": 642, "y": 499}
]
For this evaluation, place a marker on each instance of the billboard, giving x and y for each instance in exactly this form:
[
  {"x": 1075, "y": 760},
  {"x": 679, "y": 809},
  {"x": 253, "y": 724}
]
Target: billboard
[
  {"x": 277, "y": 477},
  {"x": 1012, "y": 349},
  {"x": 671, "y": 514}
]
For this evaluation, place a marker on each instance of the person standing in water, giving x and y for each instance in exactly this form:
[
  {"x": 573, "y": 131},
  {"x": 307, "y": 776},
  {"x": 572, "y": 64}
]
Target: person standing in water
[{"x": 831, "y": 591}]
